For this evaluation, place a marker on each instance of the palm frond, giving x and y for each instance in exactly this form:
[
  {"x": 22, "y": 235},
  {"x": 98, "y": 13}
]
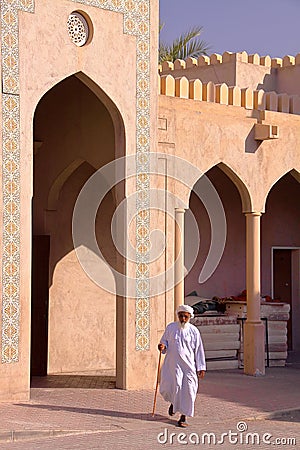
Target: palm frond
[{"x": 186, "y": 45}]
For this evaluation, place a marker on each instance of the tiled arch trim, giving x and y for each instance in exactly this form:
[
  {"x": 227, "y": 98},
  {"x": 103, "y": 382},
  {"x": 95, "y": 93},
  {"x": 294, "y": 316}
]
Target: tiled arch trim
[{"x": 136, "y": 22}]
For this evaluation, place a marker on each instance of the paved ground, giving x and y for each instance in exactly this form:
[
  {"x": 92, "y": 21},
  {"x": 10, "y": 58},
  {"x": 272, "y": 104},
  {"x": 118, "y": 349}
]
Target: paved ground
[{"x": 77, "y": 412}]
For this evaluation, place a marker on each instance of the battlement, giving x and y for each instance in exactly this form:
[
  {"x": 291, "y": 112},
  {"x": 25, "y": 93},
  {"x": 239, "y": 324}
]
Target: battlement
[
  {"x": 256, "y": 72},
  {"x": 228, "y": 95},
  {"x": 228, "y": 57}
]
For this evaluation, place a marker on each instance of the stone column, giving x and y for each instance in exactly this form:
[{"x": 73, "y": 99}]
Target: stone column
[
  {"x": 179, "y": 258},
  {"x": 254, "y": 333}
]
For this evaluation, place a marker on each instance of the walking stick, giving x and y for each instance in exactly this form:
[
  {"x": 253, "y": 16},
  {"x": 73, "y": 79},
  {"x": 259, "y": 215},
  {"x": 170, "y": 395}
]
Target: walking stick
[{"x": 157, "y": 381}]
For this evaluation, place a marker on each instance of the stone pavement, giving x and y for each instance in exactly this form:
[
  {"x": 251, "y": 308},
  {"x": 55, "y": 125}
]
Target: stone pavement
[{"x": 70, "y": 412}]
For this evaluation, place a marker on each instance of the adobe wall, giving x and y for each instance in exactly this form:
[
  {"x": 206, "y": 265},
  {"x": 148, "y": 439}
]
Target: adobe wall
[
  {"x": 46, "y": 56},
  {"x": 207, "y": 125},
  {"x": 240, "y": 69},
  {"x": 206, "y": 133}
]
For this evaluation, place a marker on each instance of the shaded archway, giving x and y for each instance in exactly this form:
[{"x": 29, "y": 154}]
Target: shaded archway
[
  {"x": 77, "y": 130},
  {"x": 229, "y": 277},
  {"x": 281, "y": 251}
]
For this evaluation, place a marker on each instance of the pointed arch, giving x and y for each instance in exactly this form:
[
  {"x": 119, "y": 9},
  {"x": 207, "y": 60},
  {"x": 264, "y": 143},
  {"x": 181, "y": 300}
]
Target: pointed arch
[
  {"x": 240, "y": 185},
  {"x": 293, "y": 172},
  {"x": 56, "y": 187}
]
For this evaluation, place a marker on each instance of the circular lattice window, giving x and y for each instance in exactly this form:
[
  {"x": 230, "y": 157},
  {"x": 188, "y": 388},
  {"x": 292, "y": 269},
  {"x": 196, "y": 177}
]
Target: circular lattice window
[{"x": 78, "y": 29}]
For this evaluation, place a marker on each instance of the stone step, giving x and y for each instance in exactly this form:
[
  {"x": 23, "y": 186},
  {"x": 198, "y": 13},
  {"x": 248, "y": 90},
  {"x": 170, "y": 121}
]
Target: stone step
[
  {"x": 272, "y": 363},
  {"x": 211, "y": 354},
  {"x": 210, "y": 337},
  {"x": 269, "y": 308},
  {"x": 205, "y": 329},
  {"x": 274, "y": 347},
  {"x": 277, "y": 339},
  {"x": 229, "y": 364},
  {"x": 274, "y": 332},
  {"x": 219, "y": 345},
  {"x": 276, "y": 325},
  {"x": 203, "y": 320},
  {"x": 272, "y": 355}
]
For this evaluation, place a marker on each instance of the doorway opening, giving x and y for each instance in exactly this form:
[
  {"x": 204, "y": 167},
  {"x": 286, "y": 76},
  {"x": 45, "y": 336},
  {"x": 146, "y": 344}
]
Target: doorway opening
[
  {"x": 75, "y": 134},
  {"x": 285, "y": 287}
]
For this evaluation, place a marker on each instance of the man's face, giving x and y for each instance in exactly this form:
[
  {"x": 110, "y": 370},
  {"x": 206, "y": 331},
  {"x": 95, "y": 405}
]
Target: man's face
[{"x": 184, "y": 317}]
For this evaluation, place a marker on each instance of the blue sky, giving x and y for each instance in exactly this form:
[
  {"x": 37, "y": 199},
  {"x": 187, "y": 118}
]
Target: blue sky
[{"x": 266, "y": 27}]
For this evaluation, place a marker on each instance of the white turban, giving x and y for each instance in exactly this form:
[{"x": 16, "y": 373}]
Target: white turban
[{"x": 185, "y": 308}]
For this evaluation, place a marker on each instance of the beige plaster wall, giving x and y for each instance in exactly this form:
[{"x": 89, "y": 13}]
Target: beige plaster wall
[
  {"x": 206, "y": 134},
  {"x": 288, "y": 80},
  {"x": 217, "y": 73},
  {"x": 47, "y": 56},
  {"x": 255, "y": 76}
]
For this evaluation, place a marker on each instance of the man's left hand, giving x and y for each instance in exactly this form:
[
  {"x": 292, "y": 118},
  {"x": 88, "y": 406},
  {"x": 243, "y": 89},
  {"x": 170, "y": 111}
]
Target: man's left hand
[{"x": 201, "y": 374}]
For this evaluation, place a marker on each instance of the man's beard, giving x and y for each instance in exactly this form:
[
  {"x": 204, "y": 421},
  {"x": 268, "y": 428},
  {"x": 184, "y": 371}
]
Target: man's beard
[{"x": 183, "y": 324}]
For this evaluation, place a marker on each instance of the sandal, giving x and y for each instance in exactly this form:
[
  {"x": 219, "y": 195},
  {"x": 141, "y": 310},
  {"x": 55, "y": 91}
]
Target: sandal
[
  {"x": 181, "y": 422},
  {"x": 171, "y": 411}
]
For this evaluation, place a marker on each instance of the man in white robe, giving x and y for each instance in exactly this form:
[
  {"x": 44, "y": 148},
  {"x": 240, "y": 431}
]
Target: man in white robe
[{"x": 184, "y": 363}]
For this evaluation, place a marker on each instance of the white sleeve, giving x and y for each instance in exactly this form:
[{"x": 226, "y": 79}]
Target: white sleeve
[
  {"x": 164, "y": 340},
  {"x": 199, "y": 353}
]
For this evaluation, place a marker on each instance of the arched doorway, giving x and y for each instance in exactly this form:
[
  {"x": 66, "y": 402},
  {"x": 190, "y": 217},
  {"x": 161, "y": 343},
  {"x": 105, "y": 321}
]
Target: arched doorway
[
  {"x": 281, "y": 251},
  {"x": 221, "y": 332},
  {"x": 229, "y": 277},
  {"x": 77, "y": 130}
]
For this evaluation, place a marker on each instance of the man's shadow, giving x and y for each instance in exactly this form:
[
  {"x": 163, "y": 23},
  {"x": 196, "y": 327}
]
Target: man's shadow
[{"x": 104, "y": 412}]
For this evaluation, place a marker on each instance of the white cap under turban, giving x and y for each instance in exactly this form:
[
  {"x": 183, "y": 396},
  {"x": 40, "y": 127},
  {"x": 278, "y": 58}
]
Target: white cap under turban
[{"x": 185, "y": 308}]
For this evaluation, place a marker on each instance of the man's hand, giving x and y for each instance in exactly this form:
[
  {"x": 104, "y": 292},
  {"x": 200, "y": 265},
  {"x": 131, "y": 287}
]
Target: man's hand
[
  {"x": 161, "y": 347},
  {"x": 201, "y": 374}
]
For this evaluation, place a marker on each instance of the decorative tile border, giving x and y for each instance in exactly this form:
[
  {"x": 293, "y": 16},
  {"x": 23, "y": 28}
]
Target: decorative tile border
[
  {"x": 136, "y": 22},
  {"x": 11, "y": 176}
]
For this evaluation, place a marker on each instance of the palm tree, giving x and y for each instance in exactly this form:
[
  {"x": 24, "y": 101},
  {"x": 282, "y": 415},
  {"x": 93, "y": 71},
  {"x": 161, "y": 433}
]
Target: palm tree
[{"x": 188, "y": 44}]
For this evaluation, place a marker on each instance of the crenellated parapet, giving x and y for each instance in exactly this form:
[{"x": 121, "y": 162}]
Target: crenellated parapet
[
  {"x": 243, "y": 70},
  {"x": 223, "y": 94},
  {"x": 229, "y": 57}
]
